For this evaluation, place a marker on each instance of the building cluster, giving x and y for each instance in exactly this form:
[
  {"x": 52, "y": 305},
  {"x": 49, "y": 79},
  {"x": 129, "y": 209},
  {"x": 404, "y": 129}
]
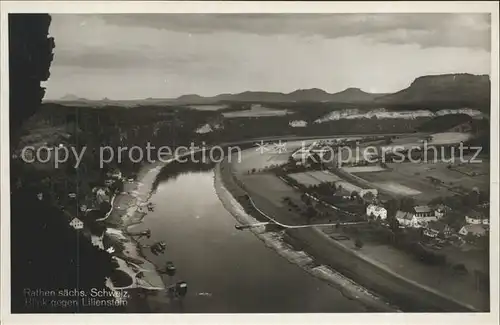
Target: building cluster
[
  {"x": 430, "y": 220},
  {"x": 102, "y": 195}
]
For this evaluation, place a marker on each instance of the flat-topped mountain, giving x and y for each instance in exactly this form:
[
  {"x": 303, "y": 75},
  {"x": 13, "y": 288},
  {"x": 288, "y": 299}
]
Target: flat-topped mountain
[{"x": 464, "y": 89}]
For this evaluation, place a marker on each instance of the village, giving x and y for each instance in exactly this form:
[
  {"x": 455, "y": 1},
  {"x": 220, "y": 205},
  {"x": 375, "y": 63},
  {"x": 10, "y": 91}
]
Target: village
[{"x": 462, "y": 215}]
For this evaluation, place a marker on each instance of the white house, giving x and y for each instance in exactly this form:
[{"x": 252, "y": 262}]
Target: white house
[
  {"x": 405, "y": 219},
  {"x": 422, "y": 211},
  {"x": 439, "y": 214},
  {"x": 377, "y": 212},
  {"x": 117, "y": 174},
  {"x": 409, "y": 219},
  {"x": 298, "y": 124},
  {"x": 76, "y": 223},
  {"x": 440, "y": 210},
  {"x": 424, "y": 214},
  {"x": 476, "y": 218},
  {"x": 204, "y": 129},
  {"x": 97, "y": 241}
]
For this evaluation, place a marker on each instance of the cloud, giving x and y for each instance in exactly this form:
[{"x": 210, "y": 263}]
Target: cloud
[
  {"x": 167, "y": 55},
  {"x": 425, "y": 30},
  {"x": 107, "y": 58}
]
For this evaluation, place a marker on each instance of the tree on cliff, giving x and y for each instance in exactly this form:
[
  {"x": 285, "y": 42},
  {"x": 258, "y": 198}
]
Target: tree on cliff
[
  {"x": 30, "y": 56},
  {"x": 46, "y": 253}
]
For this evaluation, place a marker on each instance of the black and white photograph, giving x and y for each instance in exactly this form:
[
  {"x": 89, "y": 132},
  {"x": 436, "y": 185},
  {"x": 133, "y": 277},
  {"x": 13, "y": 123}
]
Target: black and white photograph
[{"x": 249, "y": 162}]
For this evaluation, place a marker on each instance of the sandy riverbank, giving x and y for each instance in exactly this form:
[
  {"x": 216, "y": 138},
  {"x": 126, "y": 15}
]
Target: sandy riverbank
[
  {"x": 406, "y": 294},
  {"x": 148, "y": 290}
]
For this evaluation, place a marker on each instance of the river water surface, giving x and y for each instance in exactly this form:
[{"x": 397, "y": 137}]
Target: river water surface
[{"x": 227, "y": 271}]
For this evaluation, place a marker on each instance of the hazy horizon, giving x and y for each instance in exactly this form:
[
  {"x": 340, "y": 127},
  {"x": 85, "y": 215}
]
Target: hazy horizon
[
  {"x": 138, "y": 56},
  {"x": 213, "y": 95}
]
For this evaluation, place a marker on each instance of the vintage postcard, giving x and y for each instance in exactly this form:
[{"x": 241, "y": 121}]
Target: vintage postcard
[{"x": 234, "y": 162}]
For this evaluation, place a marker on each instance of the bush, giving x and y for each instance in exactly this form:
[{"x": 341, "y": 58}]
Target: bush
[
  {"x": 460, "y": 268},
  {"x": 359, "y": 244},
  {"x": 117, "y": 186}
]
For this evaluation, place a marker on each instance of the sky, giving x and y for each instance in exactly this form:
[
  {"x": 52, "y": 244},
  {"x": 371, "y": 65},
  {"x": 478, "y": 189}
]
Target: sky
[{"x": 135, "y": 56}]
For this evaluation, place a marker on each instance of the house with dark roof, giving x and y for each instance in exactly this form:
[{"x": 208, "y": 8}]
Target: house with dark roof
[
  {"x": 407, "y": 219},
  {"x": 434, "y": 228}
]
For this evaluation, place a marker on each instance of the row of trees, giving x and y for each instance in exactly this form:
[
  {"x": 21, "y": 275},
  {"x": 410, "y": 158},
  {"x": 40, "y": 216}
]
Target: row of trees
[{"x": 404, "y": 204}]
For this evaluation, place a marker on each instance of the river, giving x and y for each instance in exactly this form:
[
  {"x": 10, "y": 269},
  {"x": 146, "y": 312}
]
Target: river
[{"x": 227, "y": 271}]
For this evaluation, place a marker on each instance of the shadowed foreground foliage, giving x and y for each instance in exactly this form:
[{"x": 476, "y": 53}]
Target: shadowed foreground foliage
[{"x": 46, "y": 253}]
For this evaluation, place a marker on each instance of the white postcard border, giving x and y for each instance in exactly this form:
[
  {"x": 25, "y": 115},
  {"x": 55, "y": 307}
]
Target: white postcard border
[{"x": 236, "y": 7}]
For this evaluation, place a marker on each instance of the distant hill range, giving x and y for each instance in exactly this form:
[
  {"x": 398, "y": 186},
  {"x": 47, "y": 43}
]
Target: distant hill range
[
  {"x": 350, "y": 95},
  {"x": 427, "y": 92}
]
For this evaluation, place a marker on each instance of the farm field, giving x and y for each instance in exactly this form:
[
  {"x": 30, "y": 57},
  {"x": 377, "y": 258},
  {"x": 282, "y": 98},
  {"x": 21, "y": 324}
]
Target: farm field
[
  {"x": 402, "y": 143},
  {"x": 317, "y": 177},
  {"x": 272, "y": 187},
  {"x": 207, "y": 107},
  {"x": 449, "y": 138},
  {"x": 396, "y": 188},
  {"x": 256, "y": 112},
  {"x": 314, "y": 177},
  {"x": 406, "y": 142},
  {"x": 456, "y": 176},
  {"x": 398, "y": 184},
  {"x": 473, "y": 169},
  {"x": 413, "y": 179},
  {"x": 363, "y": 169}
]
